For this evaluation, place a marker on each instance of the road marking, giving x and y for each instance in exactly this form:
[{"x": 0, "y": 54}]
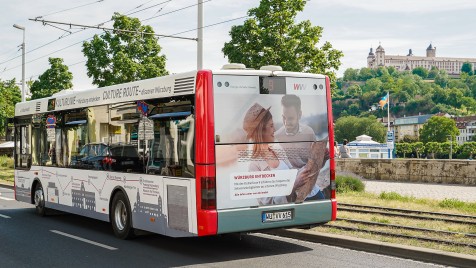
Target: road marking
[
  {"x": 5, "y": 216},
  {"x": 6, "y": 198},
  {"x": 83, "y": 240}
]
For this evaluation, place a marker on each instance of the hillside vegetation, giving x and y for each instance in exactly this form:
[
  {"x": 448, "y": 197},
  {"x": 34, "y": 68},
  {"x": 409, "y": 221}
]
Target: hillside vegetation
[{"x": 411, "y": 93}]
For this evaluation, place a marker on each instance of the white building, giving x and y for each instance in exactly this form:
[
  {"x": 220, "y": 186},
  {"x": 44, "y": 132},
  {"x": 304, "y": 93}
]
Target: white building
[
  {"x": 410, "y": 62},
  {"x": 365, "y": 147},
  {"x": 467, "y": 128}
]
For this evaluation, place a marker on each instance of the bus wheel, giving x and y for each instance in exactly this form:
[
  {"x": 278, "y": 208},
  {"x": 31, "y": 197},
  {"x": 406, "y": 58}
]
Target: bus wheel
[
  {"x": 40, "y": 200},
  {"x": 121, "y": 217}
]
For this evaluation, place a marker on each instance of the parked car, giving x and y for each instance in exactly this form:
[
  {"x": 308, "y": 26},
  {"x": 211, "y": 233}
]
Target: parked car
[{"x": 114, "y": 157}]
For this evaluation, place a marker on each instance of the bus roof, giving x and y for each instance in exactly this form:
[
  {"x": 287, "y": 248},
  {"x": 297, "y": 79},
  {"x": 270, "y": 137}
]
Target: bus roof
[{"x": 159, "y": 87}]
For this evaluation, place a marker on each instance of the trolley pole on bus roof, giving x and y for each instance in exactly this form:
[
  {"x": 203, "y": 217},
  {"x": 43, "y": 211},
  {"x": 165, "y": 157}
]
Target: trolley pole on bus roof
[{"x": 200, "y": 36}]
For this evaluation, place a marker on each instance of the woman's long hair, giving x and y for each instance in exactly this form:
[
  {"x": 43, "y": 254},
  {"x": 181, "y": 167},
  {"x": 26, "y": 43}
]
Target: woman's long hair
[{"x": 257, "y": 136}]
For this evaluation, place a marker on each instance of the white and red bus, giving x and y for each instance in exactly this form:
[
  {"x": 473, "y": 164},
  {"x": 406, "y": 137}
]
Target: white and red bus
[{"x": 192, "y": 154}]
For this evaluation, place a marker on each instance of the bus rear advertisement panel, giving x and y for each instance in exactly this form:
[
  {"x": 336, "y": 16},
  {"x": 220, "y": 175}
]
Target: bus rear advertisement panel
[{"x": 271, "y": 137}]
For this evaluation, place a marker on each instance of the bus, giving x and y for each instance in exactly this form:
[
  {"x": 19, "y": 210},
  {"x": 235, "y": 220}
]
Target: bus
[{"x": 200, "y": 153}]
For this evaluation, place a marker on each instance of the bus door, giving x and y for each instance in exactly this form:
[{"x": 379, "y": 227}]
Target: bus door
[{"x": 23, "y": 143}]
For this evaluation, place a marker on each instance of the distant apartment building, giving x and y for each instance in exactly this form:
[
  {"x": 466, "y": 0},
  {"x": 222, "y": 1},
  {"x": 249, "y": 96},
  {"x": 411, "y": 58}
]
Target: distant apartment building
[
  {"x": 409, "y": 126},
  {"x": 467, "y": 128},
  {"x": 410, "y": 62}
]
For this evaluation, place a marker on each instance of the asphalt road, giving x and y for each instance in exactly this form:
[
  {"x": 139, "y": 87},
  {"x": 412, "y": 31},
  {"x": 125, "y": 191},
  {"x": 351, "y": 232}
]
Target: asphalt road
[{"x": 65, "y": 240}]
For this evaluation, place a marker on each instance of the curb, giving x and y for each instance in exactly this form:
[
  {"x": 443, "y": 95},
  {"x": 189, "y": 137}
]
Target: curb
[
  {"x": 11, "y": 187},
  {"x": 389, "y": 249}
]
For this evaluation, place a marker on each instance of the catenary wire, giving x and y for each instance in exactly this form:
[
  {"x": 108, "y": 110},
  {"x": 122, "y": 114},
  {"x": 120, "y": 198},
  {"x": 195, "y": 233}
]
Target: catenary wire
[
  {"x": 61, "y": 37},
  {"x": 68, "y": 9}
]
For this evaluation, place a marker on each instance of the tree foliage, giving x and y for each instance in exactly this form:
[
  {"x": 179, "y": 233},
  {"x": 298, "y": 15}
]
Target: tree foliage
[
  {"x": 437, "y": 129},
  {"x": 119, "y": 56},
  {"x": 404, "y": 148},
  {"x": 271, "y": 37},
  {"x": 467, "y": 67},
  {"x": 469, "y": 148},
  {"x": 10, "y": 94},
  {"x": 55, "y": 79},
  {"x": 349, "y": 127},
  {"x": 433, "y": 148},
  {"x": 418, "y": 148},
  {"x": 421, "y": 72}
]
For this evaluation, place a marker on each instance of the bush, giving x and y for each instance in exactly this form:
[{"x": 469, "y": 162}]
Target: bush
[
  {"x": 451, "y": 203},
  {"x": 6, "y": 161},
  {"x": 395, "y": 196},
  {"x": 346, "y": 184}
]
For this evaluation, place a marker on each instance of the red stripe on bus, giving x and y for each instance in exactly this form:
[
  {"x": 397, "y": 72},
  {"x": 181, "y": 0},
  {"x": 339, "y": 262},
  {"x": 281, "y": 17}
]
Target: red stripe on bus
[
  {"x": 330, "y": 127},
  {"x": 207, "y": 220}
]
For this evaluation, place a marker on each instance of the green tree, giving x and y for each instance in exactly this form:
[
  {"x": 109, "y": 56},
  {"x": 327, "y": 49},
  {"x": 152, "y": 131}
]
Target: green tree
[
  {"x": 10, "y": 94},
  {"x": 354, "y": 90},
  {"x": 418, "y": 148},
  {"x": 351, "y": 74},
  {"x": 118, "y": 56},
  {"x": 373, "y": 84},
  {"x": 455, "y": 97},
  {"x": 449, "y": 147},
  {"x": 467, "y": 68},
  {"x": 421, "y": 72},
  {"x": 55, "y": 79},
  {"x": 432, "y": 73},
  {"x": 366, "y": 73},
  {"x": 442, "y": 78},
  {"x": 349, "y": 127},
  {"x": 469, "y": 148},
  {"x": 404, "y": 148},
  {"x": 271, "y": 37},
  {"x": 437, "y": 129},
  {"x": 433, "y": 148}
]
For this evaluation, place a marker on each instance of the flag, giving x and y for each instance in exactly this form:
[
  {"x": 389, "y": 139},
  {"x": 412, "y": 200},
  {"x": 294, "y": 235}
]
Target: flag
[{"x": 383, "y": 101}]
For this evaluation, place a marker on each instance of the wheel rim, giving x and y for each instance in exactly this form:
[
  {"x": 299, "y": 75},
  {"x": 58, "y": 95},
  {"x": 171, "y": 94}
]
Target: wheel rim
[
  {"x": 39, "y": 197},
  {"x": 120, "y": 215}
]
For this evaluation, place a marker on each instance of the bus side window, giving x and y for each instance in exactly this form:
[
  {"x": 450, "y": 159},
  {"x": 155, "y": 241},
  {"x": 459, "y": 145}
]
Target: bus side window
[{"x": 23, "y": 148}]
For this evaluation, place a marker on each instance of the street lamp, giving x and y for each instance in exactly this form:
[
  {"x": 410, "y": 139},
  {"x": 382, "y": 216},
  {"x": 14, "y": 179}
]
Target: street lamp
[
  {"x": 451, "y": 145},
  {"x": 22, "y": 62}
]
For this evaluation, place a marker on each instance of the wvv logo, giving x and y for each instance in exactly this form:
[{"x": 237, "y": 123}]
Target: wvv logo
[{"x": 300, "y": 87}]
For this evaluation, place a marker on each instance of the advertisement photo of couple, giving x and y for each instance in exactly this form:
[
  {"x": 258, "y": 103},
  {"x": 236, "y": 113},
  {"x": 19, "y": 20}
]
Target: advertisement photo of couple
[{"x": 283, "y": 144}]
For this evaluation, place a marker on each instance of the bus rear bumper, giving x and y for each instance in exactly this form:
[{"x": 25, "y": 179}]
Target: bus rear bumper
[{"x": 251, "y": 219}]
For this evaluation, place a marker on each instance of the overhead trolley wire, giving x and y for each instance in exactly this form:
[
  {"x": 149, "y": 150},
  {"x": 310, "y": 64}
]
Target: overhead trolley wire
[
  {"x": 61, "y": 37},
  {"x": 111, "y": 29},
  {"x": 176, "y": 10},
  {"x": 68, "y": 9}
]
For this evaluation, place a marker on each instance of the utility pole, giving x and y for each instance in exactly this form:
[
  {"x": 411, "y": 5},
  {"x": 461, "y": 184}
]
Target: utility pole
[
  {"x": 451, "y": 146},
  {"x": 22, "y": 62},
  {"x": 200, "y": 36}
]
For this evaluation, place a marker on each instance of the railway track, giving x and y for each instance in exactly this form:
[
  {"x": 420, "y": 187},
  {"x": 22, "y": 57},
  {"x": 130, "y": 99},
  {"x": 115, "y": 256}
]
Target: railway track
[
  {"x": 406, "y": 213},
  {"x": 401, "y": 231}
]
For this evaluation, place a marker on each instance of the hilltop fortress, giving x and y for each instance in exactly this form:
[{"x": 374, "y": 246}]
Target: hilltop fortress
[{"x": 410, "y": 62}]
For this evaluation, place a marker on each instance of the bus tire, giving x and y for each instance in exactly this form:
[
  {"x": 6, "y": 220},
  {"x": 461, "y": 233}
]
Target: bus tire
[
  {"x": 39, "y": 200},
  {"x": 121, "y": 217}
]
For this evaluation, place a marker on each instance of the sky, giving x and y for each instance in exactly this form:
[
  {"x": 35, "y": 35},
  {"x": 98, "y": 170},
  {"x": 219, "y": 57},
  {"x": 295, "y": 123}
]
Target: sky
[{"x": 349, "y": 25}]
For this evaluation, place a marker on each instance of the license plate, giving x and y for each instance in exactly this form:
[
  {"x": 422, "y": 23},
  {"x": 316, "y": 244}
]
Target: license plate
[
  {"x": 127, "y": 162},
  {"x": 274, "y": 216}
]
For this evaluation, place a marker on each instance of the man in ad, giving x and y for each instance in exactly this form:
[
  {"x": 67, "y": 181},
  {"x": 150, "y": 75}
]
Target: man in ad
[{"x": 301, "y": 136}]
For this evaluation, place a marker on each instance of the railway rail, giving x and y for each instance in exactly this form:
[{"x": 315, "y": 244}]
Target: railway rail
[
  {"x": 422, "y": 234},
  {"x": 407, "y": 213}
]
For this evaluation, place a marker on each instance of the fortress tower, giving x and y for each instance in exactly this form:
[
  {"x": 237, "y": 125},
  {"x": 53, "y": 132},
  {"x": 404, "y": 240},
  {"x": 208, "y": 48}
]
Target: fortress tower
[
  {"x": 371, "y": 59},
  {"x": 380, "y": 56},
  {"x": 430, "y": 51}
]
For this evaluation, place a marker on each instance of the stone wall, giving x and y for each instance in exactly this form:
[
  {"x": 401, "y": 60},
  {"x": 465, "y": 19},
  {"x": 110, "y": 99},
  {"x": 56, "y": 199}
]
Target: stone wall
[{"x": 412, "y": 170}]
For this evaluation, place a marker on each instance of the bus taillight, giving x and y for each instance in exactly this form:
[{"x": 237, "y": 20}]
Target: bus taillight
[{"x": 208, "y": 187}]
